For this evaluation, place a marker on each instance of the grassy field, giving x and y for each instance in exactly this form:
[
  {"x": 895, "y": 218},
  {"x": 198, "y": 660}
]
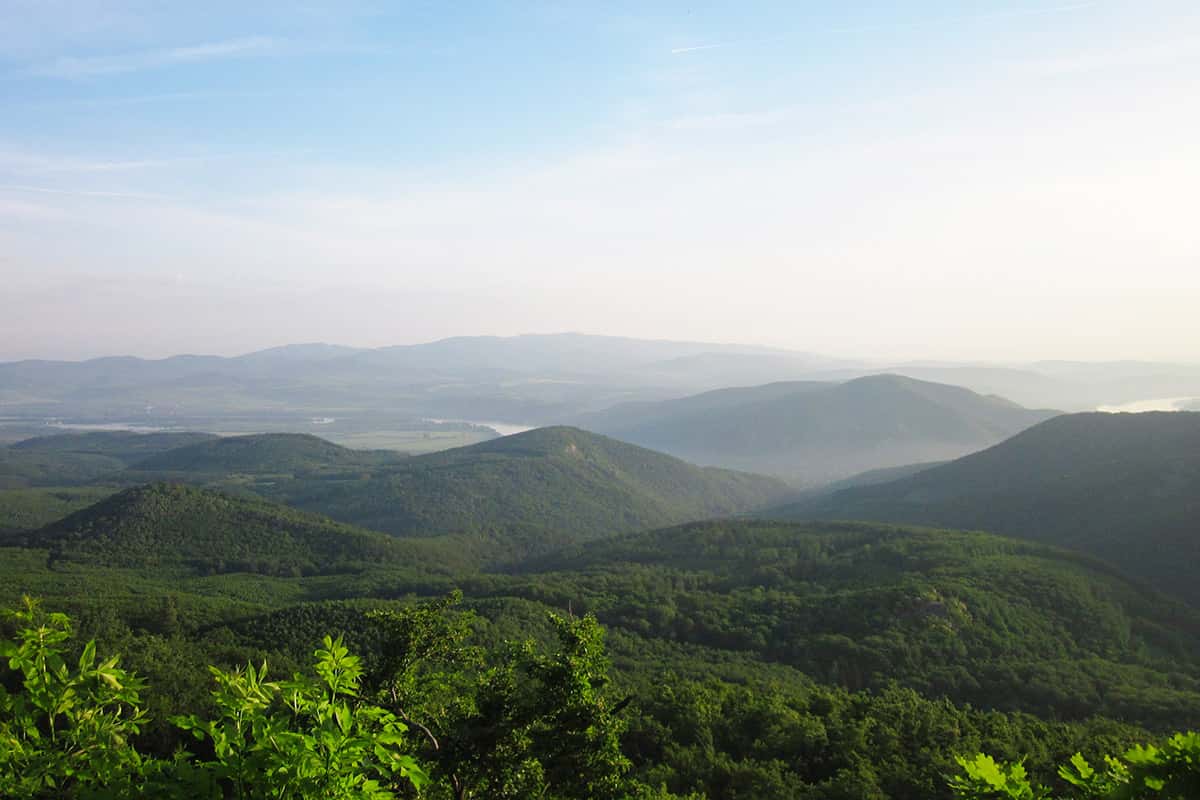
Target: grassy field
[
  {"x": 407, "y": 441},
  {"x": 416, "y": 441}
]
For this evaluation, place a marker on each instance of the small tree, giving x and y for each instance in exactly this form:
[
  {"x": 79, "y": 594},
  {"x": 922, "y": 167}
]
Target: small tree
[{"x": 521, "y": 723}]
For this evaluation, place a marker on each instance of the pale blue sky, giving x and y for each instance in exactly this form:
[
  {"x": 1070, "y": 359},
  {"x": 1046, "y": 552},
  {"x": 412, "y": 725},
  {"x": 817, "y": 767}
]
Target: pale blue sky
[{"x": 992, "y": 180}]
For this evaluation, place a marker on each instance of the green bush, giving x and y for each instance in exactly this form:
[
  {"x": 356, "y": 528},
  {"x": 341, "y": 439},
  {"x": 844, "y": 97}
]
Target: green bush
[
  {"x": 520, "y": 723},
  {"x": 1169, "y": 772},
  {"x": 307, "y": 737},
  {"x": 64, "y": 729}
]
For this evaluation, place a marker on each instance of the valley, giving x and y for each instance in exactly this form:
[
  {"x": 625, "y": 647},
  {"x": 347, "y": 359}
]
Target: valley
[
  {"x": 717, "y": 589},
  {"x": 599, "y": 401}
]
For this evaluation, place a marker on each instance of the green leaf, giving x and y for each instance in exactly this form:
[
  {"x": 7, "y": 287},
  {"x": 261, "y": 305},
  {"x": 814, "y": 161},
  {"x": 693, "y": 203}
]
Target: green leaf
[{"x": 88, "y": 657}]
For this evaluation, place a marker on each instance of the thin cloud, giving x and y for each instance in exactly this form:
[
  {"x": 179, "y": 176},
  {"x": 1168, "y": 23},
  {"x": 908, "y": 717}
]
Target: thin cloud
[
  {"x": 17, "y": 165},
  {"x": 9, "y": 187},
  {"x": 103, "y": 166},
  {"x": 29, "y": 164},
  {"x": 164, "y": 97},
  {"x": 71, "y": 67},
  {"x": 1016, "y": 13}
]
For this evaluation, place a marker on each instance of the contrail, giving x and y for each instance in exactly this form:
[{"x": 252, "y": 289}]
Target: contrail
[
  {"x": 678, "y": 50},
  {"x": 1025, "y": 12}
]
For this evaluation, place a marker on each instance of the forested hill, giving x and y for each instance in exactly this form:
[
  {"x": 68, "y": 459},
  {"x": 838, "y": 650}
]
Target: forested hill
[
  {"x": 550, "y": 484},
  {"x": 668, "y": 480},
  {"x": 74, "y": 458},
  {"x": 996, "y": 622},
  {"x": 817, "y": 432},
  {"x": 1124, "y": 487},
  {"x": 270, "y": 453},
  {"x": 20, "y": 469},
  {"x": 163, "y": 525},
  {"x": 126, "y": 446}
]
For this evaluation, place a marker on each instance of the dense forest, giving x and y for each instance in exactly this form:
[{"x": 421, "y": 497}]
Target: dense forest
[
  {"x": 434, "y": 715},
  {"x": 281, "y": 653}
]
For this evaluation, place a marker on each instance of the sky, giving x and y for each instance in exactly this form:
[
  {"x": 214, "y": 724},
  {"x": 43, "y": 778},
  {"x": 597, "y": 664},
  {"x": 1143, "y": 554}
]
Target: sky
[{"x": 988, "y": 181}]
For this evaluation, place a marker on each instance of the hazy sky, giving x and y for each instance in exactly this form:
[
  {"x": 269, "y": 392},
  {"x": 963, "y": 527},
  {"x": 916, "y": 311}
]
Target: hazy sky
[{"x": 1011, "y": 179}]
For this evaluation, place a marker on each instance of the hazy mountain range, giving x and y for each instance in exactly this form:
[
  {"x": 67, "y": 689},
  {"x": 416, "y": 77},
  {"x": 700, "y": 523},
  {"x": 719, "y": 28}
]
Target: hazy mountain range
[
  {"x": 532, "y": 380},
  {"x": 524, "y": 379}
]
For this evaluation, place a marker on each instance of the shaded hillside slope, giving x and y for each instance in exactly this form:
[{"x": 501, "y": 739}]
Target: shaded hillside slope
[
  {"x": 266, "y": 453},
  {"x": 814, "y": 432},
  {"x": 128, "y": 447},
  {"x": 1124, "y": 487},
  {"x": 21, "y": 469},
  {"x": 163, "y": 525},
  {"x": 29, "y": 509}
]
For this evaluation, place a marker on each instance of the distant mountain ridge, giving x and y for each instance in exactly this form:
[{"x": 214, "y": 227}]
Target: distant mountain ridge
[
  {"x": 567, "y": 352},
  {"x": 265, "y": 452},
  {"x": 535, "y": 379},
  {"x": 1123, "y": 487},
  {"x": 528, "y": 379},
  {"x": 815, "y": 432}
]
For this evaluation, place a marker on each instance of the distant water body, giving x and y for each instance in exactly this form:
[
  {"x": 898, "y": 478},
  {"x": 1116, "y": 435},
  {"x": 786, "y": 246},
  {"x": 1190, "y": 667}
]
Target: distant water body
[
  {"x": 502, "y": 428},
  {"x": 1160, "y": 404},
  {"x": 132, "y": 427}
]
